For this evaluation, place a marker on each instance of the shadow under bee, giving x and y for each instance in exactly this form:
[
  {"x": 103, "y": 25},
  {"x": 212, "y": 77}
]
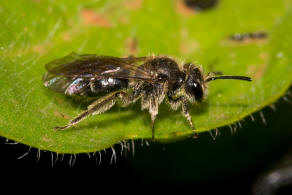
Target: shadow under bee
[{"x": 126, "y": 114}]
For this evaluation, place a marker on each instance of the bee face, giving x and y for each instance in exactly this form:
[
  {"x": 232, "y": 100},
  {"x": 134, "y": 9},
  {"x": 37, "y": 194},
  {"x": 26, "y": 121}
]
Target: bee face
[{"x": 194, "y": 85}]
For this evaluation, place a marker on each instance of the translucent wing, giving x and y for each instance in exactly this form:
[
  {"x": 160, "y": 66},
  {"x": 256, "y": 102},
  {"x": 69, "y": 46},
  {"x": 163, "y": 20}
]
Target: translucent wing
[
  {"x": 73, "y": 72},
  {"x": 88, "y": 66},
  {"x": 67, "y": 85}
]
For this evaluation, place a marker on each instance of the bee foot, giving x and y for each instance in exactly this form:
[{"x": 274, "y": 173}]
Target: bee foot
[
  {"x": 196, "y": 135},
  {"x": 60, "y": 128}
]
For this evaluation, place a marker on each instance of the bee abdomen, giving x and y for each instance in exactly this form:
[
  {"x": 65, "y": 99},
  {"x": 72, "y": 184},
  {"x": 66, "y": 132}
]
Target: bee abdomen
[{"x": 105, "y": 85}]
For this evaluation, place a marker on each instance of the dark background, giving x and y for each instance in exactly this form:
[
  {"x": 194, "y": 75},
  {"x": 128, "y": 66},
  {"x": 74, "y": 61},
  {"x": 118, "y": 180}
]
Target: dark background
[{"x": 231, "y": 164}]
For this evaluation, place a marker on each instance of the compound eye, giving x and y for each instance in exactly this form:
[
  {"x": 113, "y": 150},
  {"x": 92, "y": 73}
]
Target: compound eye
[{"x": 195, "y": 89}]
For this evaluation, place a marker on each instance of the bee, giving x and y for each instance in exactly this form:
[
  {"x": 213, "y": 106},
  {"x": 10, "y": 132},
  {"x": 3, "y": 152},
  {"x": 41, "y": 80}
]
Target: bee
[{"x": 126, "y": 80}]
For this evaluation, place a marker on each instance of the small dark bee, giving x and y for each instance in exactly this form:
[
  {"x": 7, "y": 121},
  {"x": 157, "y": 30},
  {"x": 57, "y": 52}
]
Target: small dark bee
[{"x": 151, "y": 79}]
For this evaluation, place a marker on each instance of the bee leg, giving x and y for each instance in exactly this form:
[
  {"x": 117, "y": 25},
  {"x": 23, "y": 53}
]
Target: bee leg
[
  {"x": 175, "y": 103},
  {"x": 181, "y": 101},
  {"x": 99, "y": 106},
  {"x": 153, "y": 110},
  {"x": 152, "y": 124},
  {"x": 185, "y": 111}
]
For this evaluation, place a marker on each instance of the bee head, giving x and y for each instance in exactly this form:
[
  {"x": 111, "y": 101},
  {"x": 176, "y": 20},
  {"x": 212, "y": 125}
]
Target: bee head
[{"x": 194, "y": 84}]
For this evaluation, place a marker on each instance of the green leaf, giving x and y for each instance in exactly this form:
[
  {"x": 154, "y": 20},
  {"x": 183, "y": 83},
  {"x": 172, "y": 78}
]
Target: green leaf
[{"x": 36, "y": 32}]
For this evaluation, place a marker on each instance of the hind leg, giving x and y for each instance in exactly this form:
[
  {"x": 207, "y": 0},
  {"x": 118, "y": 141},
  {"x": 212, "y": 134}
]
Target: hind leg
[{"x": 99, "y": 106}]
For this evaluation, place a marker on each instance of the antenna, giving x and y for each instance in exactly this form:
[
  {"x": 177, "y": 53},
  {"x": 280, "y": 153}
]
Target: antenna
[{"x": 243, "y": 78}]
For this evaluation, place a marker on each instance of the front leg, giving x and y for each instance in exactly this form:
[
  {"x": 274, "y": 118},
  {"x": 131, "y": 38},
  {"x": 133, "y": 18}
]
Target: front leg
[{"x": 181, "y": 101}]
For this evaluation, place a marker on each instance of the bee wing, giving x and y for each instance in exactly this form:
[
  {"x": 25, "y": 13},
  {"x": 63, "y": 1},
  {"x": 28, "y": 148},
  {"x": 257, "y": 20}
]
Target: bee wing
[
  {"x": 65, "y": 85},
  {"x": 75, "y": 71},
  {"x": 93, "y": 66}
]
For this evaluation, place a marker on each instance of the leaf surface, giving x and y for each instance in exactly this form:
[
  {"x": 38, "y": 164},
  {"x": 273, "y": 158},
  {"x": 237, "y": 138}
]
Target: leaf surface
[{"x": 36, "y": 32}]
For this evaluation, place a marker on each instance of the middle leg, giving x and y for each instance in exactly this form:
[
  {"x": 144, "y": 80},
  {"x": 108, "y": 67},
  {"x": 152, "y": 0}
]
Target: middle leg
[{"x": 153, "y": 110}]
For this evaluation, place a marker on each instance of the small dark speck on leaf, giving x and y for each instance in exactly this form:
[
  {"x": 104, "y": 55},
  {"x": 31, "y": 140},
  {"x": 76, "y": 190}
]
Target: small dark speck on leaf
[
  {"x": 248, "y": 36},
  {"x": 257, "y": 37},
  {"x": 201, "y": 5}
]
